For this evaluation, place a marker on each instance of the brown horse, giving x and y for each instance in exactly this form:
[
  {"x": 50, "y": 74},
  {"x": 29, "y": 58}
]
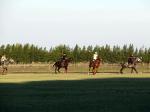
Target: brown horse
[
  {"x": 95, "y": 65},
  {"x": 62, "y": 64},
  {"x": 5, "y": 65},
  {"x": 132, "y": 66}
]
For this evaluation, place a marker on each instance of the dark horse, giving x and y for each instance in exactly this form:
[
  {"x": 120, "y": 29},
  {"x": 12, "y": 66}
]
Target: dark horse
[
  {"x": 95, "y": 65},
  {"x": 132, "y": 66},
  {"x": 5, "y": 65},
  {"x": 62, "y": 64}
]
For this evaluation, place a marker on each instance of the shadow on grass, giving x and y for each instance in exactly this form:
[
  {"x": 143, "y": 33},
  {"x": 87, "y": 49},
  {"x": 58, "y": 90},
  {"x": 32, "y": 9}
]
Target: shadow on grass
[{"x": 94, "y": 95}]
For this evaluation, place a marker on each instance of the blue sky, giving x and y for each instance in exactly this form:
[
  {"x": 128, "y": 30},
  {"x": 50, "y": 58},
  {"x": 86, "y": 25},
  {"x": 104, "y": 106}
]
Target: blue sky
[{"x": 85, "y": 22}]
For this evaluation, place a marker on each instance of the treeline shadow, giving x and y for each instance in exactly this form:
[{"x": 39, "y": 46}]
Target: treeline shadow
[{"x": 94, "y": 95}]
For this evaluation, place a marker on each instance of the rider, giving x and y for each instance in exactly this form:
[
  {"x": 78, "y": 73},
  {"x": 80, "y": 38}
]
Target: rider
[
  {"x": 3, "y": 59},
  {"x": 95, "y": 56},
  {"x": 130, "y": 60},
  {"x": 63, "y": 57}
]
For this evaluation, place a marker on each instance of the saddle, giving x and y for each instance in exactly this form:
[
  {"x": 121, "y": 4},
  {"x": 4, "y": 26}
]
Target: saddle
[
  {"x": 130, "y": 65},
  {"x": 63, "y": 62},
  {"x": 94, "y": 61}
]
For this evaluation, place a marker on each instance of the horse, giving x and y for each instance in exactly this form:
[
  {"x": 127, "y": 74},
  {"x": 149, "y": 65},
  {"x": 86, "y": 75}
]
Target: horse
[
  {"x": 5, "y": 65},
  {"x": 62, "y": 64},
  {"x": 95, "y": 65},
  {"x": 132, "y": 66}
]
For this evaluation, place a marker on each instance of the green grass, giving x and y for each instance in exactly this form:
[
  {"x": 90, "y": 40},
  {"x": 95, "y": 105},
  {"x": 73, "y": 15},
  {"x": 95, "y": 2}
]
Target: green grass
[{"x": 75, "y": 93}]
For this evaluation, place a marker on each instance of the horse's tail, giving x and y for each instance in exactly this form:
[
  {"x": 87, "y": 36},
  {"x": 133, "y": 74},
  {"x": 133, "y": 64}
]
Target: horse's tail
[
  {"x": 122, "y": 64},
  {"x": 90, "y": 63},
  {"x": 54, "y": 64}
]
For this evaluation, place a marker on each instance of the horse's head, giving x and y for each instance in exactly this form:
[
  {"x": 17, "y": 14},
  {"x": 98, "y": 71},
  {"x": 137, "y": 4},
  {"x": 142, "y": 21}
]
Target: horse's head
[
  {"x": 69, "y": 59},
  {"x": 138, "y": 60},
  {"x": 11, "y": 61}
]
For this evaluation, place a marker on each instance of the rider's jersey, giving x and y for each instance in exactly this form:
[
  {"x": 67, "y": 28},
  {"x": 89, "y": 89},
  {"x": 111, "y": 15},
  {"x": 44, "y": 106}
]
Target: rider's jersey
[
  {"x": 95, "y": 56},
  {"x": 130, "y": 60}
]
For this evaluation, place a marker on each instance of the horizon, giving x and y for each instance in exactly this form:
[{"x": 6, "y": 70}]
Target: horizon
[{"x": 71, "y": 47}]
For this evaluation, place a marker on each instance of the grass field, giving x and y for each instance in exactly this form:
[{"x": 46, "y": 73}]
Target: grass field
[
  {"x": 73, "y": 67},
  {"x": 74, "y": 92}
]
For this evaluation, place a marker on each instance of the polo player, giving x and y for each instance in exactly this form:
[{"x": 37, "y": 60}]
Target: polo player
[
  {"x": 131, "y": 61},
  {"x": 95, "y": 56},
  {"x": 3, "y": 59},
  {"x": 63, "y": 57}
]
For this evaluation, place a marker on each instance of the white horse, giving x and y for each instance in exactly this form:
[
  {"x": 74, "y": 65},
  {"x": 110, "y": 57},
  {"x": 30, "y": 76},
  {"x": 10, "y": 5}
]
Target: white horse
[
  {"x": 132, "y": 66},
  {"x": 5, "y": 65}
]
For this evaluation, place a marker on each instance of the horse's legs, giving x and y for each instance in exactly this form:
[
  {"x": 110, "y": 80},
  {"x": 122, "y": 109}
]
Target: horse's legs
[
  {"x": 3, "y": 71},
  {"x": 134, "y": 69},
  {"x": 58, "y": 69},
  {"x": 94, "y": 71},
  {"x": 89, "y": 70},
  {"x": 66, "y": 69},
  {"x": 55, "y": 70},
  {"x": 6, "y": 70},
  {"x": 121, "y": 70}
]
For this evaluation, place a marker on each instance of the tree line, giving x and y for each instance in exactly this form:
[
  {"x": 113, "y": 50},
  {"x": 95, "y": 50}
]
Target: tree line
[{"x": 29, "y": 53}]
